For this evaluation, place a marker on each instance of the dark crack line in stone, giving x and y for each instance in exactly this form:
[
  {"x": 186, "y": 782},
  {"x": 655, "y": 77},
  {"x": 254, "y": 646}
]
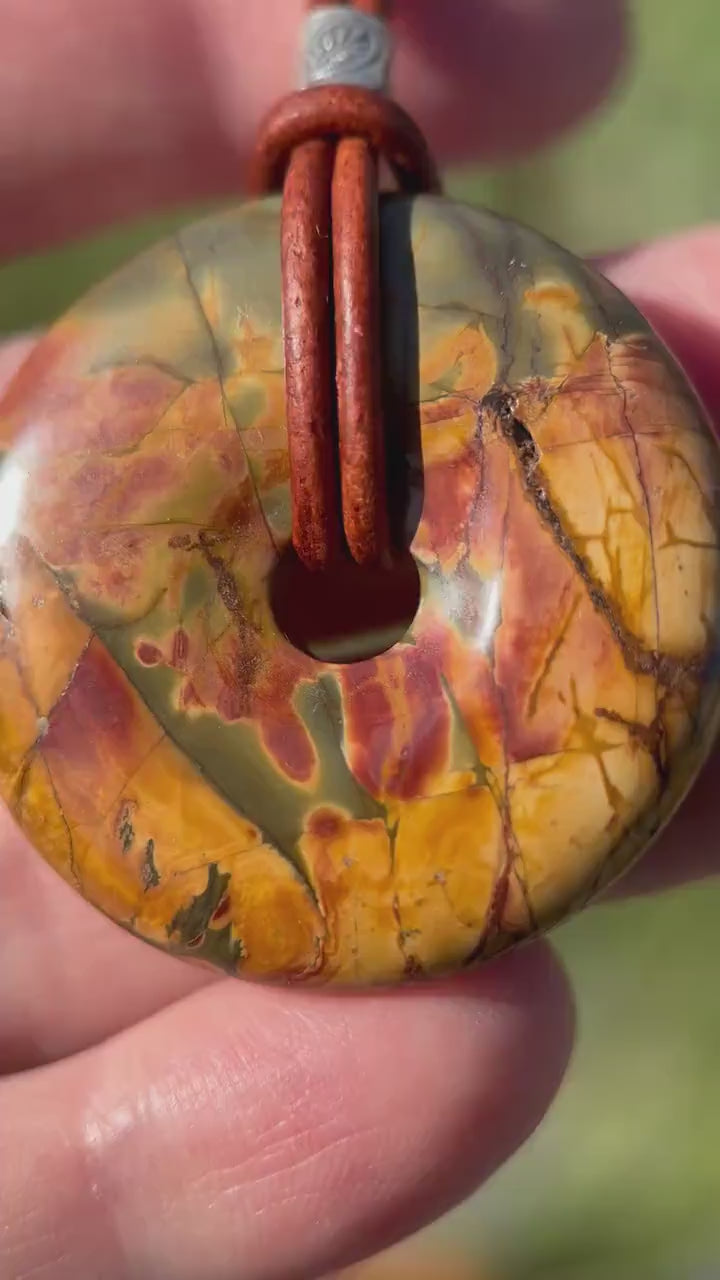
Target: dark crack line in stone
[
  {"x": 128, "y": 526},
  {"x": 127, "y": 782},
  {"x": 128, "y": 620},
  {"x": 622, "y": 392},
  {"x": 537, "y": 344},
  {"x": 534, "y": 694},
  {"x": 143, "y": 361},
  {"x": 71, "y": 844},
  {"x": 217, "y": 355},
  {"x": 675, "y": 541},
  {"x": 371, "y": 809},
  {"x": 480, "y": 769},
  {"x": 68, "y": 683},
  {"x": 35, "y": 749},
  {"x": 586, "y": 726},
  {"x": 411, "y": 965},
  {"x": 17, "y": 661},
  {"x": 450, "y": 390},
  {"x": 479, "y": 493},
  {"x": 216, "y": 787},
  {"x": 514, "y": 861},
  {"x": 668, "y": 670},
  {"x": 477, "y": 447},
  {"x": 658, "y": 434},
  {"x": 651, "y": 736},
  {"x": 218, "y": 859},
  {"x": 412, "y": 968},
  {"x": 486, "y": 778},
  {"x": 330, "y": 698},
  {"x": 710, "y": 509},
  {"x": 59, "y": 577},
  {"x": 135, "y": 447},
  {"x": 506, "y": 347},
  {"x": 461, "y": 308},
  {"x": 560, "y": 387}
]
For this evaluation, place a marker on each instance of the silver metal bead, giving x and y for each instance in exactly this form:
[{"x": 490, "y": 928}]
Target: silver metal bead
[{"x": 341, "y": 45}]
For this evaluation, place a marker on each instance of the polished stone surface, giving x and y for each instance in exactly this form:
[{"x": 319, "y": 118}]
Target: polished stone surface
[{"x": 232, "y": 798}]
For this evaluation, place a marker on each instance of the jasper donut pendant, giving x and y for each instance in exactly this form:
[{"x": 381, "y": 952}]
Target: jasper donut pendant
[{"x": 210, "y": 462}]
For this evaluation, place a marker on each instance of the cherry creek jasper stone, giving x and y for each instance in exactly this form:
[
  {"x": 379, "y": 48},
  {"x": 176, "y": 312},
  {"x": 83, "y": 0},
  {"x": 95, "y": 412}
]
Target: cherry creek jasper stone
[{"x": 231, "y": 798}]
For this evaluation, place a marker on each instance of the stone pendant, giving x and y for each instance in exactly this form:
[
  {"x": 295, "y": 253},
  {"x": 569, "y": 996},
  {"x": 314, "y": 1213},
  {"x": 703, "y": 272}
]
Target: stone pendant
[{"x": 286, "y": 815}]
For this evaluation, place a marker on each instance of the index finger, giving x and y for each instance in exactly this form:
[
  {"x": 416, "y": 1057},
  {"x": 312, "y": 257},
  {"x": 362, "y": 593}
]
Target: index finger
[
  {"x": 275, "y": 1134},
  {"x": 121, "y": 107}
]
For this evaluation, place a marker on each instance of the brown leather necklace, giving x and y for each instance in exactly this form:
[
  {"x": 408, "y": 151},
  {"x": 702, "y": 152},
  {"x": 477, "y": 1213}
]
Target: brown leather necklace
[{"x": 324, "y": 144}]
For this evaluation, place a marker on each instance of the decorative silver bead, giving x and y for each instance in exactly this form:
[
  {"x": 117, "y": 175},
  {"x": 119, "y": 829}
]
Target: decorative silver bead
[{"x": 341, "y": 45}]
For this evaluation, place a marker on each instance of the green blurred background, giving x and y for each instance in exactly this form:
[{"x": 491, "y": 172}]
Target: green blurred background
[{"x": 623, "y": 1178}]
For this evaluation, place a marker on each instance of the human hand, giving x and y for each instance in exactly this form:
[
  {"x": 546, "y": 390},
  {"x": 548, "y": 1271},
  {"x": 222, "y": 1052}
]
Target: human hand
[{"x": 160, "y": 1121}]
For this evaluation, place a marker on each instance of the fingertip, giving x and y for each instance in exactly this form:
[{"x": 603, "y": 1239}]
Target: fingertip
[
  {"x": 294, "y": 1131},
  {"x": 151, "y": 105},
  {"x": 675, "y": 282},
  {"x": 499, "y": 79}
]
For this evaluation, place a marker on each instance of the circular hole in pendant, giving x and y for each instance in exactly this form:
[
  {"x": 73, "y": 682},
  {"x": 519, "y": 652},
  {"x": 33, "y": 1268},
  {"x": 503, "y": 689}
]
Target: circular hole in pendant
[{"x": 345, "y": 613}]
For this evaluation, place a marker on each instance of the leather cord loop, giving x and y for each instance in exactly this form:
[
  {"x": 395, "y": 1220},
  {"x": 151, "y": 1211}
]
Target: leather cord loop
[
  {"x": 337, "y": 111},
  {"x": 305, "y": 247},
  {"x": 322, "y": 146}
]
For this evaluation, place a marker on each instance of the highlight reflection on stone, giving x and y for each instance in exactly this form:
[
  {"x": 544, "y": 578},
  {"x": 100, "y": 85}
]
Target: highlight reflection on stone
[{"x": 232, "y": 799}]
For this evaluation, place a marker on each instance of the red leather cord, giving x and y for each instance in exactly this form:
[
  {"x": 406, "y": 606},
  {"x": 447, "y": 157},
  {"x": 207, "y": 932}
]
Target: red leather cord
[
  {"x": 305, "y": 247},
  {"x": 338, "y": 111},
  {"x": 322, "y": 146},
  {"x": 361, "y": 433}
]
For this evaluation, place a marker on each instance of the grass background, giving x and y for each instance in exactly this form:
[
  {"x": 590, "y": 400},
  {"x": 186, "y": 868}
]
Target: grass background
[{"x": 623, "y": 1178}]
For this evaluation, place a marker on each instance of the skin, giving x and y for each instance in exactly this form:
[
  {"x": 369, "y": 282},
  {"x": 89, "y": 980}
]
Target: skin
[{"x": 163, "y": 1122}]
